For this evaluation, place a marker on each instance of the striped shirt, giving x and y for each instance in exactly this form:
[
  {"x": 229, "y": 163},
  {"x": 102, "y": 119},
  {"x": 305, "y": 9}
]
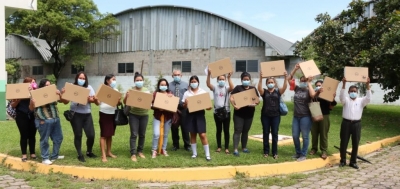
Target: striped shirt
[
  {"x": 48, "y": 111},
  {"x": 353, "y": 109}
]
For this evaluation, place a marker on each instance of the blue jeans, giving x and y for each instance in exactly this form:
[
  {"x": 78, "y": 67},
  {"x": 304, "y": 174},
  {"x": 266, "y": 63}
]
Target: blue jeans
[
  {"x": 49, "y": 128},
  {"x": 303, "y": 125},
  {"x": 156, "y": 133},
  {"x": 270, "y": 124}
]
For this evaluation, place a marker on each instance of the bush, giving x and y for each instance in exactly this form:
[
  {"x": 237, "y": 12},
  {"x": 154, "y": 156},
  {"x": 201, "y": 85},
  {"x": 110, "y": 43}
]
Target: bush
[{"x": 52, "y": 79}]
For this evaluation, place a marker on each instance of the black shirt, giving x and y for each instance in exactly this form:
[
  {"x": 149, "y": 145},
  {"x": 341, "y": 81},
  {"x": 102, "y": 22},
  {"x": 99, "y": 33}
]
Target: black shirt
[
  {"x": 244, "y": 112},
  {"x": 23, "y": 106},
  {"x": 271, "y": 102},
  {"x": 325, "y": 106}
]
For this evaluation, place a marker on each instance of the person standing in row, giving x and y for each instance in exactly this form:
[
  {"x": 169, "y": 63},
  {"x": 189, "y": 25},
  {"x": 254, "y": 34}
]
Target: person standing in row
[
  {"x": 82, "y": 119},
  {"x": 270, "y": 112},
  {"x": 221, "y": 100},
  {"x": 321, "y": 128},
  {"x": 138, "y": 119},
  {"x": 178, "y": 88},
  {"x": 351, "y": 125},
  {"x": 242, "y": 117},
  {"x": 196, "y": 121}
]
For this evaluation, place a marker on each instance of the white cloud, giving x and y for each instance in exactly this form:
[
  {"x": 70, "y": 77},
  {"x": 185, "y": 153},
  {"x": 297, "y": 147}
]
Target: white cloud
[{"x": 263, "y": 16}]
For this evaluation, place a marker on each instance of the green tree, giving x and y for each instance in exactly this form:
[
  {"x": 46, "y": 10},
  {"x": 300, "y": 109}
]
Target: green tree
[
  {"x": 374, "y": 43},
  {"x": 66, "y": 25},
  {"x": 13, "y": 69}
]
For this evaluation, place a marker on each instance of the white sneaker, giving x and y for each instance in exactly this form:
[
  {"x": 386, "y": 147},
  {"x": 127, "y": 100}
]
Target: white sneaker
[
  {"x": 47, "y": 162},
  {"x": 154, "y": 154},
  {"x": 165, "y": 153},
  {"x": 59, "y": 157},
  {"x": 194, "y": 156}
]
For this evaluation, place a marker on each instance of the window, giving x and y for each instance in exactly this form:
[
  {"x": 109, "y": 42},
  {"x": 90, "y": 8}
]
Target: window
[
  {"x": 125, "y": 68},
  {"x": 246, "y": 65},
  {"x": 76, "y": 69},
  {"x": 184, "y": 66},
  {"x": 37, "y": 70}
]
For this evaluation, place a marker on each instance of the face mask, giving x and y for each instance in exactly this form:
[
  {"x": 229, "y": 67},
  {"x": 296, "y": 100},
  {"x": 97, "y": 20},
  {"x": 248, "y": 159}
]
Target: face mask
[
  {"x": 163, "y": 88},
  {"x": 177, "y": 78},
  {"x": 113, "y": 84},
  {"x": 194, "y": 85},
  {"x": 221, "y": 83},
  {"x": 270, "y": 86},
  {"x": 353, "y": 95},
  {"x": 303, "y": 85},
  {"x": 81, "y": 82},
  {"x": 317, "y": 88},
  {"x": 33, "y": 85},
  {"x": 246, "y": 83},
  {"x": 139, "y": 84}
]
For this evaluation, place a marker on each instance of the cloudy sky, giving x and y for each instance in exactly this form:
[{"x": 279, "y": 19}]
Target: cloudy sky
[{"x": 289, "y": 19}]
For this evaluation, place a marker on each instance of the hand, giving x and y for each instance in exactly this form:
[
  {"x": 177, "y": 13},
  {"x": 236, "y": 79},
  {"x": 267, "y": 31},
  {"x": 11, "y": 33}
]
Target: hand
[
  {"x": 209, "y": 71},
  {"x": 260, "y": 75},
  {"x": 127, "y": 94},
  {"x": 30, "y": 88},
  {"x": 186, "y": 102},
  {"x": 32, "y": 102},
  {"x": 209, "y": 108},
  {"x": 90, "y": 98},
  {"x": 236, "y": 108},
  {"x": 334, "y": 95},
  {"x": 170, "y": 95},
  {"x": 58, "y": 92},
  {"x": 344, "y": 80},
  {"x": 368, "y": 81},
  {"x": 285, "y": 74},
  {"x": 229, "y": 75},
  {"x": 297, "y": 66},
  {"x": 310, "y": 78},
  {"x": 62, "y": 90},
  {"x": 321, "y": 90}
]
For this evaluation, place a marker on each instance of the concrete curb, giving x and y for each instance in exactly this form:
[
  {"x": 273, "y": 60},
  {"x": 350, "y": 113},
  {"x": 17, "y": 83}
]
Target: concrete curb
[{"x": 189, "y": 174}]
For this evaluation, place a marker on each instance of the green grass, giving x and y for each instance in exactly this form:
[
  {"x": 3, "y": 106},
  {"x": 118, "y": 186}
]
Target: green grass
[{"x": 379, "y": 122}]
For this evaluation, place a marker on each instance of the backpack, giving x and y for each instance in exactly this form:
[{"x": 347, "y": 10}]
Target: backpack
[{"x": 12, "y": 112}]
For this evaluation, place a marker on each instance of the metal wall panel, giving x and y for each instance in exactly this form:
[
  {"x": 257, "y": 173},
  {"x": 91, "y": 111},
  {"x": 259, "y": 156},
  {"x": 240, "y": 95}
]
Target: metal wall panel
[
  {"x": 16, "y": 47},
  {"x": 164, "y": 28}
]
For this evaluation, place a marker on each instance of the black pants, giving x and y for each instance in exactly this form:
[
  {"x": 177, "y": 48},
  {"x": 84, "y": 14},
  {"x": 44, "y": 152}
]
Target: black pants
[
  {"x": 185, "y": 133},
  {"x": 85, "y": 122},
  {"x": 224, "y": 124},
  {"x": 241, "y": 130},
  {"x": 27, "y": 131},
  {"x": 348, "y": 129}
]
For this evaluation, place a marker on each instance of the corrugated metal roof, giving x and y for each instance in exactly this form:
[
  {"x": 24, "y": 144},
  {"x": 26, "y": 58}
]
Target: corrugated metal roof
[
  {"x": 277, "y": 43},
  {"x": 41, "y": 46}
]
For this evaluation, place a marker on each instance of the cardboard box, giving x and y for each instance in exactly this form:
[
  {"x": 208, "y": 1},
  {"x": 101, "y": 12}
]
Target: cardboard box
[
  {"x": 76, "y": 93},
  {"x": 45, "y": 95},
  {"x": 356, "y": 74},
  {"x": 139, "y": 99},
  {"x": 108, "y": 95},
  {"x": 220, "y": 67},
  {"x": 329, "y": 86},
  {"x": 162, "y": 101},
  {"x": 17, "y": 91},
  {"x": 273, "y": 68},
  {"x": 245, "y": 98},
  {"x": 309, "y": 68},
  {"x": 199, "y": 102}
]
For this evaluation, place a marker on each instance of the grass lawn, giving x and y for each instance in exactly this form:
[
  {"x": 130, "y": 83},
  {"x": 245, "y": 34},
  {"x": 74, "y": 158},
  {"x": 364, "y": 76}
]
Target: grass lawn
[{"x": 379, "y": 122}]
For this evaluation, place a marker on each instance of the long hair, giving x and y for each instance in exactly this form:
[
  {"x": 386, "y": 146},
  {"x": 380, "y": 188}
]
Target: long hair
[
  {"x": 137, "y": 74},
  {"x": 159, "y": 82},
  {"x": 274, "y": 79},
  {"x": 195, "y": 78},
  {"x": 86, "y": 79},
  {"x": 28, "y": 79},
  {"x": 43, "y": 82},
  {"x": 108, "y": 77}
]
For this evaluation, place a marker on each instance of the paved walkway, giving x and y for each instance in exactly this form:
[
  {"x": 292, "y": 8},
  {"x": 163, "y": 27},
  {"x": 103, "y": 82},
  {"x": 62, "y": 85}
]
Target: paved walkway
[{"x": 8, "y": 182}]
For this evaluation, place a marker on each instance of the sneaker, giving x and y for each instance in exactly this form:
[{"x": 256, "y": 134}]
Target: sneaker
[
  {"x": 175, "y": 148},
  {"x": 301, "y": 158},
  {"x": 275, "y": 156},
  {"x": 246, "y": 150},
  {"x": 81, "y": 158},
  {"x": 165, "y": 153},
  {"x": 236, "y": 153},
  {"x": 153, "y": 154},
  {"x": 47, "y": 162},
  {"x": 296, "y": 156},
  {"x": 59, "y": 157},
  {"x": 208, "y": 158},
  {"x": 90, "y": 154},
  {"x": 194, "y": 156}
]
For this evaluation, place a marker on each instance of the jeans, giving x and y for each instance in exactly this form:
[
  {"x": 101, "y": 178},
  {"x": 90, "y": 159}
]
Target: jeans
[
  {"x": 49, "y": 128},
  {"x": 138, "y": 125},
  {"x": 301, "y": 125},
  {"x": 241, "y": 130},
  {"x": 156, "y": 133},
  {"x": 270, "y": 124}
]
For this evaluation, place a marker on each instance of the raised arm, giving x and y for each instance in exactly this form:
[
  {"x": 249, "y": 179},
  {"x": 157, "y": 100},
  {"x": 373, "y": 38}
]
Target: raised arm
[
  {"x": 209, "y": 85},
  {"x": 342, "y": 96},
  {"x": 311, "y": 89},
  {"x": 126, "y": 97},
  {"x": 231, "y": 86},
  {"x": 293, "y": 72},
  {"x": 260, "y": 88},
  {"x": 284, "y": 87},
  {"x": 366, "y": 99}
]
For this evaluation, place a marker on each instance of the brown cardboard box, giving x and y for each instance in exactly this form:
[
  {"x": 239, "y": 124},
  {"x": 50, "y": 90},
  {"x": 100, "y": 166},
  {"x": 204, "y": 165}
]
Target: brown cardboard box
[
  {"x": 17, "y": 91},
  {"x": 108, "y": 95},
  {"x": 162, "y": 101},
  {"x": 245, "y": 98},
  {"x": 272, "y": 68},
  {"x": 220, "y": 67},
  {"x": 329, "y": 88},
  {"x": 356, "y": 74},
  {"x": 199, "y": 102},
  {"x": 76, "y": 93},
  {"x": 139, "y": 99},
  {"x": 309, "y": 68},
  {"x": 45, "y": 95}
]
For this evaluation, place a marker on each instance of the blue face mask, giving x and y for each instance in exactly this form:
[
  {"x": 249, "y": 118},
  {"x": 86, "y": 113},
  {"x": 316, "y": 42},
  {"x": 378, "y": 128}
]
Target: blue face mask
[
  {"x": 303, "y": 85},
  {"x": 177, "y": 78},
  {"x": 246, "y": 83},
  {"x": 139, "y": 84},
  {"x": 317, "y": 88},
  {"x": 353, "y": 95},
  {"x": 113, "y": 84},
  {"x": 163, "y": 88},
  {"x": 270, "y": 86},
  {"x": 81, "y": 82},
  {"x": 221, "y": 83},
  {"x": 194, "y": 85}
]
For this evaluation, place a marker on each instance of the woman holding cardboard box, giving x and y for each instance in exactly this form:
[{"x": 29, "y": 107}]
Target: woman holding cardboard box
[
  {"x": 138, "y": 119},
  {"x": 196, "y": 121},
  {"x": 161, "y": 122}
]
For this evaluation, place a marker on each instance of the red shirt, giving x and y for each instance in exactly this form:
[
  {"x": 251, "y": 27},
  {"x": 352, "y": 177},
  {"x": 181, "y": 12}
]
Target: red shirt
[{"x": 158, "y": 112}]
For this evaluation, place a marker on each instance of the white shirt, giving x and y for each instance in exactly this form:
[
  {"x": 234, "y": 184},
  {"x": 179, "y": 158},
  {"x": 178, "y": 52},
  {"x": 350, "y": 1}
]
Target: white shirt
[
  {"x": 107, "y": 109},
  {"x": 190, "y": 93},
  {"x": 353, "y": 109}
]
